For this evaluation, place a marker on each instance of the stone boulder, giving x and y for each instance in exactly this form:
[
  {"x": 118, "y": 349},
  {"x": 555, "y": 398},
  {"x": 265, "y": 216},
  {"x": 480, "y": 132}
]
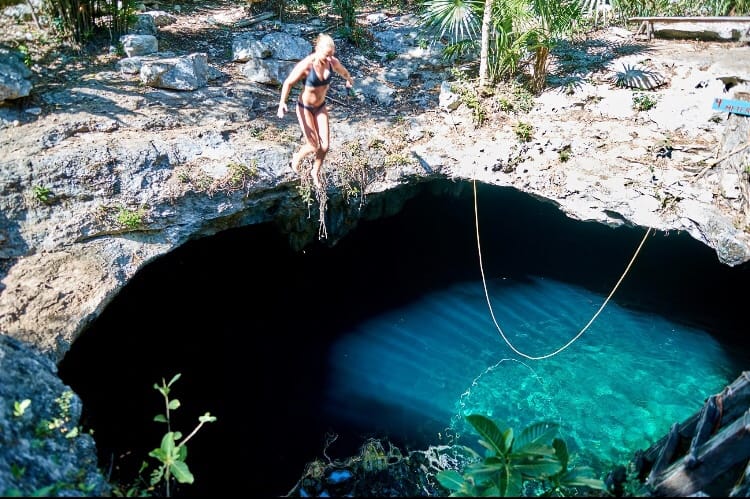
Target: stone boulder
[
  {"x": 14, "y": 75},
  {"x": 42, "y": 450}
]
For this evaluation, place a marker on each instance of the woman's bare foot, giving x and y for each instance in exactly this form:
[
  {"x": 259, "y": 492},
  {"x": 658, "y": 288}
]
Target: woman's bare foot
[{"x": 296, "y": 160}]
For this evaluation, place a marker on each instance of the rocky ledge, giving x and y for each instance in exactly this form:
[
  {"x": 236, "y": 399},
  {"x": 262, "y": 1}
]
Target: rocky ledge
[{"x": 107, "y": 173}]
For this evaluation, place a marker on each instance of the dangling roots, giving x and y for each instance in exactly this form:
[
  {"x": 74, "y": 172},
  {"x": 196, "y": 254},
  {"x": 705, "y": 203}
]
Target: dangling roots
[{"x": 321, "y": 195}]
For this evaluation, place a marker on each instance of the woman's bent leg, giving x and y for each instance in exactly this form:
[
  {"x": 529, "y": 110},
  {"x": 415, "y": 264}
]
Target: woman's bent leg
[
  {"x": 324, "y": 134},
  {"x": 308, "y": 125}
]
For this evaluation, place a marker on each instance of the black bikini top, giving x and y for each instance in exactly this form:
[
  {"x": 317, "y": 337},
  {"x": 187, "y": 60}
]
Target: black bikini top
[{"x": 313, "y": 80}]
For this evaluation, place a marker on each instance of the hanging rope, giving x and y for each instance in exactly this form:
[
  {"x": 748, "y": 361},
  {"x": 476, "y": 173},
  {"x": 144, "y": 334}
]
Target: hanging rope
[{"x": 489, "y": 304}]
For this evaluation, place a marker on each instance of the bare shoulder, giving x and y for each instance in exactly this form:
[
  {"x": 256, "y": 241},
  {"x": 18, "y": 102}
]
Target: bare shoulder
[
  {"x": 300, "y": 69},
  {"x": 336, "y": 63},
  {"x": 305, "y": 63}
]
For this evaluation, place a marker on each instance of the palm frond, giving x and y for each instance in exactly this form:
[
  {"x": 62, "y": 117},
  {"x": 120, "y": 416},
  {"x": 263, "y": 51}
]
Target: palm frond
[
  {"x": 634, "y": 77},
  {"x": 459, "y": 19}
]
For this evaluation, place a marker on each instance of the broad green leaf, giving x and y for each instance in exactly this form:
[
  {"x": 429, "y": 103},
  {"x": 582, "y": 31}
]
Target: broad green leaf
[
  {"x": 534, "y": 433},
  {"x": 486, "y": 469},
  {"x": 490, "y": 449},
  {"x": 207, "y": 418},
  {"x": 174, "y": 378},
  {"x": 501, "y": 481},
  {"x": 491, "y": 491},
  {"x": 450, "y": 479},
  {"x": 158, "y": 454},
  {"x": 160, "y": 418},
  {"x": 540, "y": 469},
  {"x": 493, "y": 437},
  {"x": 174, "y": 404},
  {"x": 534, "y": 450},
  {"x": 181, "y": 472},
  {"x": 182, "y": 452},
  {"x": 167, "y": 443},
  {"x": 561, "y": 451},
  {"x": 514, "y": 487},
  {"x": 507, "y": 440}
]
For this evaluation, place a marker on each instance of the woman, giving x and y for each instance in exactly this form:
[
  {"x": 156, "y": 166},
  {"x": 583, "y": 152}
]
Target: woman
[{"x": 316, "y": 70}]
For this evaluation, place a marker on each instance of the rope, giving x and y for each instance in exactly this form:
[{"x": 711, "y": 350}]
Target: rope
[{"x": 489, "y": 304}]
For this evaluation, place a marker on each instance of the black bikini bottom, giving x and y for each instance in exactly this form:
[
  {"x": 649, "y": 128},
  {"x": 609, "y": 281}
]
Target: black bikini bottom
[{"x": 313, "y": 109}]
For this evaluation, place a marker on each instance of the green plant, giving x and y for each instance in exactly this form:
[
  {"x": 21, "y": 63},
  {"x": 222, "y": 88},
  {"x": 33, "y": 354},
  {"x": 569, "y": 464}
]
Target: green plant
[
  {"x": 131, "y": 219},
  {"x": 643, "y": 102},
  {"x": 564, "y": 153},
  {"x": 347, "y": 10},
  {"x": 17, "y": 471},
  {"x": 524, "y": 131},
  {"x": 311, "y": 6},
  {"x": 470, "y": 97},
  {"x": 19, "y": 408},
  {"x": 504, "y": 37},
  {"x": 42, "y": 194},
  {"x": 304, "y": 189},
  {"x": 60, "y": 422},
  {"x": 514, "y": 97},
  {"x": 24, "y": 50},
  {"x": 510, "y": 461},
  {"x": 80, "y": 20},
  {"x": 240, "y": 175},
  {"x": 171, "y": 454},
  {"x": 397, "y": 159}
]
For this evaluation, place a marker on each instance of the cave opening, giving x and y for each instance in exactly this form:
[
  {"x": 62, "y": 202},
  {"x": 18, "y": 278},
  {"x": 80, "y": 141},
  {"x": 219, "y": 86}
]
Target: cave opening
[{"x": 251, "y": 325}]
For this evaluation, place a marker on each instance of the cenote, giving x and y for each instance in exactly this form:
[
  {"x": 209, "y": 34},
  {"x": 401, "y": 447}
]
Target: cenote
[{"x": 388, "y": 334}]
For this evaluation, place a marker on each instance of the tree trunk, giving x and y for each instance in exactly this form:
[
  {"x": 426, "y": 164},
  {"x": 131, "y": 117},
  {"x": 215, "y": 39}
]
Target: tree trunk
[
  {"x": 483, "y": 69},
  {"x": 539, "y": 78}
]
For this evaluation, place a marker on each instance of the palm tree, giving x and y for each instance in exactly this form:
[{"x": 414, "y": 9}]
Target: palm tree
[
  {"x": 510, "y": 29},
  {"x": 458, "y": 20},
  {"x": 486, "y": 18},
  {"x": 554, "y": 19}
]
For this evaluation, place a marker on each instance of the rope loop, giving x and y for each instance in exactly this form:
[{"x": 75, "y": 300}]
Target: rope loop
[{"x": 580, "y": 333}]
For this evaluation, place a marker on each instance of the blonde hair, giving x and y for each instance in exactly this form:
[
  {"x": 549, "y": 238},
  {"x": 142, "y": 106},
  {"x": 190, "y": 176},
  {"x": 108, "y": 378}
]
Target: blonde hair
[{"x": 324, "y": 41}]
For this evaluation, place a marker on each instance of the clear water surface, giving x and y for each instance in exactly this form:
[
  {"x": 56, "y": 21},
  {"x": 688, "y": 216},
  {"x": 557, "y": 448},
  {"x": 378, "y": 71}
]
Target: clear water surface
[{"x": 615, "y": 390}]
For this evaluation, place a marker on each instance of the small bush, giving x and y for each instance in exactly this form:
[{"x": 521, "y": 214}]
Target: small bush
[
  {"x": 131, "y": 219},
  {"x": 524, "y": 131},
  {"x": 643, "y": 102}
]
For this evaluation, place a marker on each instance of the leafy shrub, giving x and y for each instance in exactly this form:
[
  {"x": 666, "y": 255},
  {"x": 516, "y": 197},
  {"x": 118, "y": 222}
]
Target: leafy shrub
[{"x": 510, "y": 462}]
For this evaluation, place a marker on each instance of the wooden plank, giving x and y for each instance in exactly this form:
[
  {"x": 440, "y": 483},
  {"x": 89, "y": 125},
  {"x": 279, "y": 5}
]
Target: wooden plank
[
  {"x": 723, "y": 452},
  {"x": 735, "y": 399},
  {"x": 667, "y": 454},
  {"x": 731, "y": 106}
]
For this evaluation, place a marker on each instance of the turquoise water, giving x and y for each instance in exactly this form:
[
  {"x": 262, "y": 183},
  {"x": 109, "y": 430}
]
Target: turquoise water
[{"x": 616, "y": 390}]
